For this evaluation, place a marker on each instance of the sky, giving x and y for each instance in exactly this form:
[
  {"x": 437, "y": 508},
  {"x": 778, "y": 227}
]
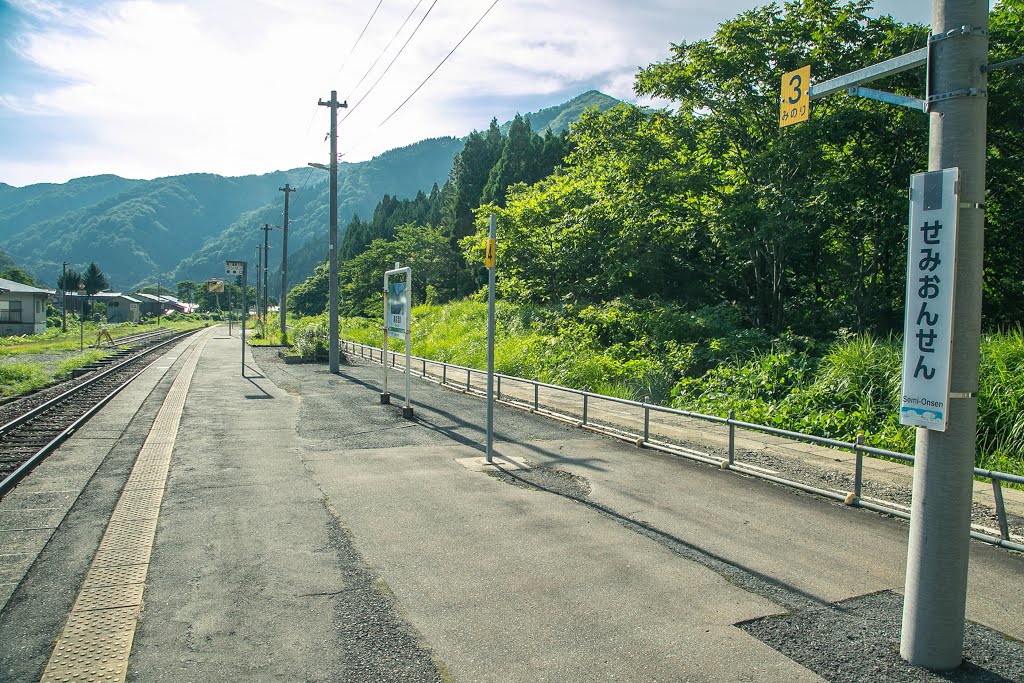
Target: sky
[{"x": 151, "y": 88}]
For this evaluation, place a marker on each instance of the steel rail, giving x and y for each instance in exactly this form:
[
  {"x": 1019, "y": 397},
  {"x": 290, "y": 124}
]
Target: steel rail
[{"x": 11, "y": 479}]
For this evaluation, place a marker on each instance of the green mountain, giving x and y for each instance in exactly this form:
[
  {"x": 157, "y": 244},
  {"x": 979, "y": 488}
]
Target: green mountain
[
  {"x": 557, "y": 118},
  {"x": 184, "y": 227}
]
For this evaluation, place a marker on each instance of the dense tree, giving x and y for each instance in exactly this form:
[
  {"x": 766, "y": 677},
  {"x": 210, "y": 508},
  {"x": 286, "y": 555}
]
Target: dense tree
[
  {"x": 189, "y": 291},
  {"x": 69, "y": 280},
  {"x": 470, "y": 171},
  {"x": 519, "y": 162},
  {"x": 16, "y": 274},
  {"x": 434, "y": 269},
  {"x": 774, "y": 197},
  {"x": 310, "y": 297},
  {"x": 94, "y": 279},
  {"x": 1004, "y": 213}
]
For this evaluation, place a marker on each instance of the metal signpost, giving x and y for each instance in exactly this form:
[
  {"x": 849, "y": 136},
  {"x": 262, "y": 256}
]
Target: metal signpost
[
  {"x": 397, "y": 324},
  {"x": 489, "y": 261},
  {"x": 950, "y": 275},
  {"x": 241, "y": 268}
]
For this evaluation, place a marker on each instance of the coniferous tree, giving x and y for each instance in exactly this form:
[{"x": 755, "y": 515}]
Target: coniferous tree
[
  {"x": 68, "y": 281},
  {"x": 94, "y": 279}
]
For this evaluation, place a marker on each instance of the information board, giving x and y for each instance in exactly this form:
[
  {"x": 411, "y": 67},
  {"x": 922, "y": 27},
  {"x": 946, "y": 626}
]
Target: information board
[{"x": 398, "y": 309}]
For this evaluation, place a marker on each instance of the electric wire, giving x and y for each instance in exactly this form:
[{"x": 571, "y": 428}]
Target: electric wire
[
  {"x": 384, "y": 51},
  {"x": 439, "y": 65},
  {"x": 390, "y": 64},
  {"x": 361, "y": 34}
]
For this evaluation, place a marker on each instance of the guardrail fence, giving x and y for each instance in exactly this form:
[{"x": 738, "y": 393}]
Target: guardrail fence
[{"x": 561, "y": 409}]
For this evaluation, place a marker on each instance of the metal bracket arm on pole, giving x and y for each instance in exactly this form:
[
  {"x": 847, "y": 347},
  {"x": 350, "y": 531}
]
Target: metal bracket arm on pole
[
  {"x": 889, "y": 98},
  {"x": 889, "y": 67}
]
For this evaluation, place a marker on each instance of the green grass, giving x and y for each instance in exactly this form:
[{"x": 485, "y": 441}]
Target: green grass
[
  {"x": 22, "y": 378},
  {"x": 34, "y": 362}
]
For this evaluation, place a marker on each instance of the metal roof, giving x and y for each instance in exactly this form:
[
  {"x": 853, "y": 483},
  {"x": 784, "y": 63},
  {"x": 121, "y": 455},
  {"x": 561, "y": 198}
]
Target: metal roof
[{"x": 18, "y": 288}]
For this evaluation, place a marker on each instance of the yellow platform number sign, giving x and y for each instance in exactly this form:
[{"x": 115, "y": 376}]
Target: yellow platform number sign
[
  {"x": 795, "y": 105},
  {"x": 489, "y": 255}
]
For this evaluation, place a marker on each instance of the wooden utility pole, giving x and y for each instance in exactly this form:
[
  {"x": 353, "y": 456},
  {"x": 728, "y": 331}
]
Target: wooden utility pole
[
  {"x": 284, "y": 264},
  {"x": 332, "y": 306}
]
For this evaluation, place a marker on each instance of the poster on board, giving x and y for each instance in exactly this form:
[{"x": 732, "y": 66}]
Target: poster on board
[{"x": 398, "y": 309}]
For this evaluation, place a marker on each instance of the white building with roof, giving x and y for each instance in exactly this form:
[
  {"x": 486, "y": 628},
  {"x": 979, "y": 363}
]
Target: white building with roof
[{"x": 22, "y": 308}]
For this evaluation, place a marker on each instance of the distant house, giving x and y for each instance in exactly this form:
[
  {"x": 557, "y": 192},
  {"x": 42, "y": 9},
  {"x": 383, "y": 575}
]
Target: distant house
[
  {"x": 22, "y": 308},
  {"x": 121, "y": 308},
  {"x": 152, "y": 305}
]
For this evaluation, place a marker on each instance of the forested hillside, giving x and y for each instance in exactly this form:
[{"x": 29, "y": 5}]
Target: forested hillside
[{"x": 182, "y": 228}]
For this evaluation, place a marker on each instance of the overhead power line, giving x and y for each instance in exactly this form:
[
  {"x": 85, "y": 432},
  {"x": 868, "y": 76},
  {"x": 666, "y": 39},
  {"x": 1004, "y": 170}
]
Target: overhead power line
[
  {"x": 361, "y": 34},
  {"x": 384, "y": 51},
  {"x": 391, "y": 63},
  {"x": 439, "y": 65}
]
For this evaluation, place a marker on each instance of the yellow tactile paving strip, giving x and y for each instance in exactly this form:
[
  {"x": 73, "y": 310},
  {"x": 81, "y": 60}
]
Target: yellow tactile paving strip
[{"x": 97, "y": 637}]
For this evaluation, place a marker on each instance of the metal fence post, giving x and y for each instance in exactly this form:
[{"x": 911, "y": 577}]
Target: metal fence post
[
  {"x": 444, "y": 373},
  {"x": 647, "y": 419},
  {"x": 586, "y": 393},
  {"x": 424, "y": 367},
  {"x": 497, "y": 391},
  {"x": 859, "y": 471},
  {"x": 536, "y": 394},
  {"x": 997, "y": 493},
  {"x": 469, "y": 371},
  {"x": 732, "y": 438}
]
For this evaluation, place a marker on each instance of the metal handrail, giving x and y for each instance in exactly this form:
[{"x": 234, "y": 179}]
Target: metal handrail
[{"x": 858, "y": 448}]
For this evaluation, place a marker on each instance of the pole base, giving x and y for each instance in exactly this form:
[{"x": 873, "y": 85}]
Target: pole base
[
  {"x": 385, "y": 398},
  {"x": 407, "y": 412}
]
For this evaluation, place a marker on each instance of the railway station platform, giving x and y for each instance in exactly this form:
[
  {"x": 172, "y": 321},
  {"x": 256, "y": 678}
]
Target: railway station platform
[{"x": 285, "y": 525}]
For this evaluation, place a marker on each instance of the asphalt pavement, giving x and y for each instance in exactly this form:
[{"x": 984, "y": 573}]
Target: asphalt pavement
[{"x": 310, "y": 533}]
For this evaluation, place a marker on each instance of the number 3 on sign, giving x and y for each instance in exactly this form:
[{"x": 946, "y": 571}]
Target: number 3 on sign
[{"x": 795, "y": 105}]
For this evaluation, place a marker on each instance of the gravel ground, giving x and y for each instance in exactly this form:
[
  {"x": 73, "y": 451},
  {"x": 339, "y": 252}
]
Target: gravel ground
[
  {"x": 857, "y": 641},
  {"x": 377, "y": 643}
]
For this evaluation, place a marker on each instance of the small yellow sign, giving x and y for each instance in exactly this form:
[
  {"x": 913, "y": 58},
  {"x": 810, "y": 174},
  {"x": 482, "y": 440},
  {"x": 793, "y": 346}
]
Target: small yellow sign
[
  {"x": 795, "y": 104},
  {"x": 492, "y": 247},
  {"x": 215, "y": 286}
]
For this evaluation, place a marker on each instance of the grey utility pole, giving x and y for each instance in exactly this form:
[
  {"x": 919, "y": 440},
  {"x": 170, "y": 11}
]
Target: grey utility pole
[
  {"x": 489, "y": 262},
  {"x": 332, "y": 306},
  {"x": 284, "y": 263},
  {"x": 64, "y": 298},
  {"x": 266, "y": 254},
  {"x": 940, "y": 518},
  {"x": 259, "y": 271}
]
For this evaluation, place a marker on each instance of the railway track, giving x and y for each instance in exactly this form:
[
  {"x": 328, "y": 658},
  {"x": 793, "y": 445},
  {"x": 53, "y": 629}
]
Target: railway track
[{"x": 33, "y": 427}]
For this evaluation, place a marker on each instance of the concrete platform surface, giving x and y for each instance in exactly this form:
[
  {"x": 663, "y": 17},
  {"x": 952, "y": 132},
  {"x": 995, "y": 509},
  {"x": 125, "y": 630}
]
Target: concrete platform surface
[{"x": 309, "y": 533}]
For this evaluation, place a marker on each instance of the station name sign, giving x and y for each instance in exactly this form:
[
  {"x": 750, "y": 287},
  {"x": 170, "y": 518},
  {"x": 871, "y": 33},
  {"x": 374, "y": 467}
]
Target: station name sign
[{"x": 928, "y": 327}]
